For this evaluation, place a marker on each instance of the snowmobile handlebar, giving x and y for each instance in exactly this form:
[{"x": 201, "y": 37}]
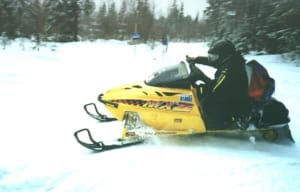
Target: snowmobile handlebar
[{"x": 190, "y": 60}]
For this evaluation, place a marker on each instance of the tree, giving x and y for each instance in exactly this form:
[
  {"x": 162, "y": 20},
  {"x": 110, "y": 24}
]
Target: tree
[
  {"x": 37, "y": 16},
  {"x": 144, "y": 18},
  {"x": 63, "y": 19},
  {"x": 173, "y": 17},
  {"x": 256, "y": 24},
  {"x": 122, "y": 19},
  {"x": 101, "y": 21},
  {"x": 8, "y": 20},
  {"x": 111, "y": 21},
  {"x": 86, "y": 20},
  {"x": 73, "y": 13}
]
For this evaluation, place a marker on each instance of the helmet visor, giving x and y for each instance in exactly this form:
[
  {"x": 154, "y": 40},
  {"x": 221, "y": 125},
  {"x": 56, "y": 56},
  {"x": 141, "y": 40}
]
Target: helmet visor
[{"x": 213, "y": 57}]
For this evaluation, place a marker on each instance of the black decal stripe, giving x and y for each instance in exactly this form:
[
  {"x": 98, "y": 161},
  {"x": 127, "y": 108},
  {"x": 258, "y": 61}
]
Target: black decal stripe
[
  {"x": 137, "y": 86},
  {"x": 159, "y": 94},
  {"x": 170, "y": 93}
]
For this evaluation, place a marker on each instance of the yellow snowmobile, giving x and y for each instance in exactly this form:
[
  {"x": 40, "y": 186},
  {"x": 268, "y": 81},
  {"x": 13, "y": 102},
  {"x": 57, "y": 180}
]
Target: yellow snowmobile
[{"x": 164, "y": 104}]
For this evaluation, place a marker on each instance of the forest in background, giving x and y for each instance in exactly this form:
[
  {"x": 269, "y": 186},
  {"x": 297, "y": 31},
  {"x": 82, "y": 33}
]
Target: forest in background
[{"x": 260, "y": 25}]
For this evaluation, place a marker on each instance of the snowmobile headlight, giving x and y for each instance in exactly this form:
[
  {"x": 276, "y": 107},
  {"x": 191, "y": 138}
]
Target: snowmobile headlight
[{"x": 132, "y": 120}]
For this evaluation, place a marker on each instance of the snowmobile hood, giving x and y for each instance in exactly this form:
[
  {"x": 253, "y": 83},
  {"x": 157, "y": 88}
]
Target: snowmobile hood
[
  {"x": 125, "y": 92},
  {"x": 171, "y": 109},
  {"x": 138, "y": 92},
  {"x": 161, "y": 85}
]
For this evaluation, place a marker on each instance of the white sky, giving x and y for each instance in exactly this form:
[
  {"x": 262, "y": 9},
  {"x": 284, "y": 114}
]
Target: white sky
[{"x": 192, "y": 7}]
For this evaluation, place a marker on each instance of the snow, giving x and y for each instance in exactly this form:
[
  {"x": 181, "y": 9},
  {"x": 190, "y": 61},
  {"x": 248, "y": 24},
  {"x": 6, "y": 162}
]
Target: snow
[{"x": 42, "y": 94}]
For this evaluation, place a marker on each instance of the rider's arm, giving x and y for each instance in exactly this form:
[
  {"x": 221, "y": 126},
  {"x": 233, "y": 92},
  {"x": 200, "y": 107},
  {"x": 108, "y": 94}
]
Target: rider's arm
[
  {"x": 202, "y": 60},
  {"x": 198, "y": 74},
  {"x": 204, "y": 77}
]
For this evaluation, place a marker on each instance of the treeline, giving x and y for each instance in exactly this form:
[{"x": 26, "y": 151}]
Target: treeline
[
  {"x": 71, "y": 20},
  {"x": 263, "y": 25},
  {"x": 272, "y": 26}
]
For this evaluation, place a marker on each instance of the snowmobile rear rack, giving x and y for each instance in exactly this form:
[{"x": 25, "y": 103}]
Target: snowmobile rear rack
[
  {"x": 96, "y": 114},
  {"x": 98, "y": 146}
]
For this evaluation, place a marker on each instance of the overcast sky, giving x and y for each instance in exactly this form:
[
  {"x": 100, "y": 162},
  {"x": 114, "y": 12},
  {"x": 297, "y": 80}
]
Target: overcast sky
[{"x": 191, "y": 7}]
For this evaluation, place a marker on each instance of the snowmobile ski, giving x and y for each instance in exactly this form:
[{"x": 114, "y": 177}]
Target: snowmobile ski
[
  {"x": 99, "y": 146},
  {"x": 96, "y": 114}
]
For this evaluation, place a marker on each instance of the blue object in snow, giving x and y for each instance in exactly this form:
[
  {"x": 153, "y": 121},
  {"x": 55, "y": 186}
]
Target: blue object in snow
[{"x": 136, "y": 36}]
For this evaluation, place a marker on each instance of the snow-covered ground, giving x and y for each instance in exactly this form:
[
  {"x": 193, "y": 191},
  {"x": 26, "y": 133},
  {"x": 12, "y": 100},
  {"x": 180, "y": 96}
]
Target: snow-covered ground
[{"x": 41, "y": 99}]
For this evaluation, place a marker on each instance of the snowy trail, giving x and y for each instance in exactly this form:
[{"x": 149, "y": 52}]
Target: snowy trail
[{"x": 42, "y": 94}]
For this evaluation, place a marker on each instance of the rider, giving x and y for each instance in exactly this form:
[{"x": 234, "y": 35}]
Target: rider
[{"x": 223, "y": 99}]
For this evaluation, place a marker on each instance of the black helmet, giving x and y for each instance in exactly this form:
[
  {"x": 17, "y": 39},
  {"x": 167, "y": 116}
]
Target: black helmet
[
  {"x": 222, "y": 47},
  {"x": 220, "y": 51}
]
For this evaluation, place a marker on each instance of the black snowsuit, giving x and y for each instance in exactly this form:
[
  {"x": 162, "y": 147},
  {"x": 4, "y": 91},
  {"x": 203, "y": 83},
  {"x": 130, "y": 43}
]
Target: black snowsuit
[{"x": 225, "y": 98}]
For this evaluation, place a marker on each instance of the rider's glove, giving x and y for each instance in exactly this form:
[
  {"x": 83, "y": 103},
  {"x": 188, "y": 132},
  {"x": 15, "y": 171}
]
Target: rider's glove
[{"x": 190, "y": 60}]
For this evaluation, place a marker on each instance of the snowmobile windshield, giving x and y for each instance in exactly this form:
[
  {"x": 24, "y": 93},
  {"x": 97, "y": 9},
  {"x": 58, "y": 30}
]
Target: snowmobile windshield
[{"x": 175, "y": 76}]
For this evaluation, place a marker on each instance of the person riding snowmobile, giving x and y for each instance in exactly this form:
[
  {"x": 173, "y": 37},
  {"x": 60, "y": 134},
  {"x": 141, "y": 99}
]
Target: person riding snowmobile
[{"x": 224, "y": 100}]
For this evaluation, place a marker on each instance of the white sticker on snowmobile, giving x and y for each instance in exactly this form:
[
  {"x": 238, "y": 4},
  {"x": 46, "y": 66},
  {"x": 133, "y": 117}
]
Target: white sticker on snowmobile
[{"x": 186, "y": 98}]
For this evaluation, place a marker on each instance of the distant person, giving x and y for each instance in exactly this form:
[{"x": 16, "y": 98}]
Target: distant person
[
  {"x": 165, "y": 42},
  {"x": 223, "y": 99}
]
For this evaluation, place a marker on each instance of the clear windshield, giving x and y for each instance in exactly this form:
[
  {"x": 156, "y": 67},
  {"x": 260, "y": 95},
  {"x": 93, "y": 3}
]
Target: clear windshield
[{"x": 169, "y": 74}]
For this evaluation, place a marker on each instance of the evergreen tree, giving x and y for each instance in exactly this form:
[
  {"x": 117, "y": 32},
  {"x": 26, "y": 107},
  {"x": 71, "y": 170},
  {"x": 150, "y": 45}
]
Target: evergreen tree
[
  {"x": 256, "y": 24},
  {"x": 36, "y": 16},
  {"x": 111, "y": 21},
  {"x": 122, "y": 20},
  {"x": 101, "y": 21},
  {"x": 181, "y": 27},
  {"x": 173, "y": 17},
  {"x": 87, "y": 25},
  {"x": 63, "y": 19},
  {"x": 144, "y": 18},
  {"x": 8, "y": 20},
  {"x": 72, "y": 18},
  {"x": 213, "y": 13}
]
